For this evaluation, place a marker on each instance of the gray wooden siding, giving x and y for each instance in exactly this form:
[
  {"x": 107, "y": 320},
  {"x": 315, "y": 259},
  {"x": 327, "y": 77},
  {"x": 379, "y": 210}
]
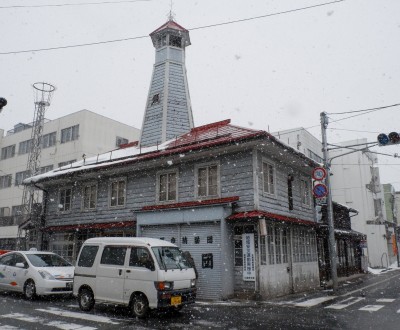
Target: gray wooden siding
[{"x": 278, "y": 203}]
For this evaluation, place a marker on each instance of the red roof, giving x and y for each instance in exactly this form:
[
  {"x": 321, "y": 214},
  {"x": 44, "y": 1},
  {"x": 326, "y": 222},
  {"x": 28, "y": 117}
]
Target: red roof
[
  {"x": 121, "y": 224},
  {"x": 269, "y": 216},
  {"x": 215, "y": 201},
  {"x": 170, "y": 25}
]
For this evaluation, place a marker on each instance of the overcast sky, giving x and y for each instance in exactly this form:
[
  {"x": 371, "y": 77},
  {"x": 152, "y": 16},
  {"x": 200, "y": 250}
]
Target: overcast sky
[{"x": 272, "y": 73}]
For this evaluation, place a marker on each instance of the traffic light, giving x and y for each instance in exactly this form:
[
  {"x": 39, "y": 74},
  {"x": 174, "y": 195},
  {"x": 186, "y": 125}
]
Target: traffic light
[
  {"x": 3, "y": 103},
  {"x": 391, "y": 138}
]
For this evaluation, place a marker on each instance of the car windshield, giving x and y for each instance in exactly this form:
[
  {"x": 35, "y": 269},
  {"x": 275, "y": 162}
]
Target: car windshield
[
  {"x": 47, "y": 260},
  {"x": 169, "y": 257}
]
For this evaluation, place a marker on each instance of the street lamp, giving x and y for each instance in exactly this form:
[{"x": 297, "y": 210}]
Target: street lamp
[{"x": 3, "y": 103}]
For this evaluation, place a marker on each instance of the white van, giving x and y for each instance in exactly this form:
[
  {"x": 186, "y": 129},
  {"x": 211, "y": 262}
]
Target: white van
[{"x": 142, "y": 273}]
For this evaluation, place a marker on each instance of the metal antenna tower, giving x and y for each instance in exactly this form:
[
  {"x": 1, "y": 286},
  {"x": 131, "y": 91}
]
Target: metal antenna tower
[{"x": 31, "y": 197}]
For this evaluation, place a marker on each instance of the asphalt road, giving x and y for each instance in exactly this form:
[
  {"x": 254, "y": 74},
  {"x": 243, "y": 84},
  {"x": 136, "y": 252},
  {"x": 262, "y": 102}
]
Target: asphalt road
[{"x": 370, "y": 303}]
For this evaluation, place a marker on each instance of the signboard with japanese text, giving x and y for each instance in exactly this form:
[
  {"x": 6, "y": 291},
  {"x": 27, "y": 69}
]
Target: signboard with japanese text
[{"x": 249, "y": 259}]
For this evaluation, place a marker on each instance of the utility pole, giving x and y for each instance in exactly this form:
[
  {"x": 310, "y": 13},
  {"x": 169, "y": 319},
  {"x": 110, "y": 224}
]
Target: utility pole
[{"x": 329, "y": 206}]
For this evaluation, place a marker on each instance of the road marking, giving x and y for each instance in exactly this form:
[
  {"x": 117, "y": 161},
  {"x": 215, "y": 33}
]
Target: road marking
[
  {"x": 345, "y": 303},
  {"x": 371, "y": 308},
  {"x": 384, "y": 300},
  {"x": 313, "y": 302},
  {"x": 82, "y": 316},
  {"x": 55, "y": 324},
  {"x": 8, "y": 327}
]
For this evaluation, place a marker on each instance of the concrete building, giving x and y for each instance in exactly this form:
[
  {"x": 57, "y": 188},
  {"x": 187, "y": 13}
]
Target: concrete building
[
  {"x": 356, "y": 183},
  {"x": 65, "y": 140}
]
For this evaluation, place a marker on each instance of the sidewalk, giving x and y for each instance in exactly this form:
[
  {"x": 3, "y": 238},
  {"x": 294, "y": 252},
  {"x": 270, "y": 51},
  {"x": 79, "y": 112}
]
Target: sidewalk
[{"x": 346, "y": 285}]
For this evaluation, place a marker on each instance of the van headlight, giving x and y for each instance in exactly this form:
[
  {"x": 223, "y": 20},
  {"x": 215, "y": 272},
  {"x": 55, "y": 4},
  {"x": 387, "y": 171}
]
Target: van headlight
[
  {"x": 162, "y": 286},
  {"x": 193, "y": 283},
  {"x": 46, "y": 275}
]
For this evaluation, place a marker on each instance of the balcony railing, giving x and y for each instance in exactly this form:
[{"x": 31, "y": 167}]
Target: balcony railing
[{"x": 14, "y": 220}]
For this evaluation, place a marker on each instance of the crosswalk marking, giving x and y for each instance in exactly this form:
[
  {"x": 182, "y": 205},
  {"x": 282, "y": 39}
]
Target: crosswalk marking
[
  {"x": 371, "y": 308},
  {"x": 345, "y": 303},
  {"x": 384, "y": 300},
  {"x": 38, "y": 320},
  {"x": 76, "y": 315},
  {"x": 313, "y": 302}
]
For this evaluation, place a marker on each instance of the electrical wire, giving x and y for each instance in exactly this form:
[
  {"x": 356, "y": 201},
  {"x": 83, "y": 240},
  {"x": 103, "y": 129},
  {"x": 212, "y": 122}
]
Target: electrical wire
[
  {"x": 191, "y": 29},
  {"x": 72, "y": 4},
  {"x": 366, "y": 111}
]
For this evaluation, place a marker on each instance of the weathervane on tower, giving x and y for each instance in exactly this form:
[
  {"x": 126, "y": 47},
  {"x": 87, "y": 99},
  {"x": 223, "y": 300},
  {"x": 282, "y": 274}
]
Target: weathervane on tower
[{"x": 171, "y": 14}]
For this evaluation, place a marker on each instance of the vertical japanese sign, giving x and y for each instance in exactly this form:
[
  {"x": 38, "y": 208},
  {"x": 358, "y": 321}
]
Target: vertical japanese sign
[{"x": 249, "y": 266}]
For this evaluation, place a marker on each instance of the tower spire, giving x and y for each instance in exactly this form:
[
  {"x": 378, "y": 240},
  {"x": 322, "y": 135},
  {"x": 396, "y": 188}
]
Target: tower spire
[{"x": 168, "y": 110}]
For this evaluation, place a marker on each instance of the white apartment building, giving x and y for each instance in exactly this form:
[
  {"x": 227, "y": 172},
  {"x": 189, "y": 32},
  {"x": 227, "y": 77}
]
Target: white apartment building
[{"x": 65, "y": 140}]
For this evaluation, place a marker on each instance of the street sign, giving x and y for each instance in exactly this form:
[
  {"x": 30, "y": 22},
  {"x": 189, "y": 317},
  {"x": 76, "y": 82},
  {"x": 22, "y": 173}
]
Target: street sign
[
  {"x": 320, "y": 190},
  {"x": 319, "y": 173}
]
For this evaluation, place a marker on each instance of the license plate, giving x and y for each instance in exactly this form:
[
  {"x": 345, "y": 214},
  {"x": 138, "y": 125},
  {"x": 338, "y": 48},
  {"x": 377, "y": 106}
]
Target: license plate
[
  {"x": 69, "y": 286},
  {"x": 176, "y": 300}
]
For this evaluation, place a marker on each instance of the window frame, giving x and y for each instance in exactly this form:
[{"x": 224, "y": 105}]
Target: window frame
[
  {"x": 196, "y": 180},
  {"x": 5, "y": 181},
  {"x": 25, "y": 147},
  {"x": 121, "y": 179},
  {"x": 84, "y": 186},
  {"x": 305, "y": 194},
  {"x": 7, "y": 152},
  {"x": 272, "y": 164},
  {"x": 50, "y": 138},
  {"x": 158, "y": 188},
  {"x": 73, "y": 135},
  {"x": 63, "y": 210},
  {"x": 24, "y": 174}
]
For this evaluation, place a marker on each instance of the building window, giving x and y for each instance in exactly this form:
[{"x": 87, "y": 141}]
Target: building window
[
  {"x": 207, "y": 181},
  {"x": 184, "y": 240},
  {"x": 65, "y": 200},
  {"x": 70, "y": 134},
  {"x": 117, "y": 193},
  {"x": 25, "y": 147},
  {"x": 175, "y": 41},
  {"x": 45, "y": 169},
  {"x": 305, "y": 193},
  {"x": 49, "y": 140},
  {"x": 167, "y": 183},
  {"x": 155, "y": 99},
  {"x": 268, "y": 178},
  {"x": 304, "y": 245},
  {"x": 5, "y": 181},
  {"x": 276, "y": 246},
  {"x": 68, "y": 162},
  {"x": 8, "y": 152},
  {"x": 4, "y": 211},
  {"x": 290, "y": 191},
  {"x": 120, "y": 140},
  {"x": 89, "y": 197},
  {"x": 21, "y": 176}
]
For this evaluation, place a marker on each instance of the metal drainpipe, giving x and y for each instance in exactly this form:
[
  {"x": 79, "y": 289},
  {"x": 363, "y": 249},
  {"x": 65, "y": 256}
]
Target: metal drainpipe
[{"x": 39, "y": 239}]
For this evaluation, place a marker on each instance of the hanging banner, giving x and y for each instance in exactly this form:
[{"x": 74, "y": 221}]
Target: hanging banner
[{"x": 249, "y": 258}]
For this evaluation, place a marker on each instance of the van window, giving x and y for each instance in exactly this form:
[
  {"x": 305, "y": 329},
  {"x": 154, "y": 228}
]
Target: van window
[
  {"x": 140, "y": 257},
  {"x": 113, "y": 255},
  {"x": 88, "y": 254},
  {"x": 170, "y": 258}
]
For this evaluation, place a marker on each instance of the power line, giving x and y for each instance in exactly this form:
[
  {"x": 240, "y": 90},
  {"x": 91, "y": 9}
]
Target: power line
[
  {"x": 351, "y": 130},
  {"x": 378, "y": 108},
  {"x": 191, "y": 29},
  {"x": 71, "y": 4},
  {"x": 366, "y": 111}
]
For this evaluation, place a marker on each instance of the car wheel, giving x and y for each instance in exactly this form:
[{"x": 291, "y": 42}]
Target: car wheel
[
  {"x": 30, "y": 290},
  {"x": 85, "y": 300},
  {"x": 140, "y": 306}
]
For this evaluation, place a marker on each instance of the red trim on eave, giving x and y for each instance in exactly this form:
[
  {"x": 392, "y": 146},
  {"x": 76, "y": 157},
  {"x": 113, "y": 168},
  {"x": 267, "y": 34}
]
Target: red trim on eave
[
  {"x": 268, "y": 215},
  {"x": 206, "y": 202},
  {"x": 124, "y": 224}
]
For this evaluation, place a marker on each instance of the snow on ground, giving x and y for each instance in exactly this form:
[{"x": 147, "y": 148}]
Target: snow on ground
[{"x": 377, "y": 271}]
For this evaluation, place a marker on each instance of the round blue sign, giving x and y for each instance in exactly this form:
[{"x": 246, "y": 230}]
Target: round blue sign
[{"x": 320, "y": 190}]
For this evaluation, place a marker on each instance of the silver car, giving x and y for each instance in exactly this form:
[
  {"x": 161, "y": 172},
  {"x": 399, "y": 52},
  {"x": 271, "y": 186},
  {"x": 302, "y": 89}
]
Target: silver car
[{"x": 35, "y": 273}]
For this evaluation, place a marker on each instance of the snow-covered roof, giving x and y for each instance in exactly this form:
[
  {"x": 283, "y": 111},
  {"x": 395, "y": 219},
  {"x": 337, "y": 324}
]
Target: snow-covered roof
[{"x": 198, "y": 138}]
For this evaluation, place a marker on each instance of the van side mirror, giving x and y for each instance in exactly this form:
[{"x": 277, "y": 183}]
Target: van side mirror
[{"x": 20, "y": 265}]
